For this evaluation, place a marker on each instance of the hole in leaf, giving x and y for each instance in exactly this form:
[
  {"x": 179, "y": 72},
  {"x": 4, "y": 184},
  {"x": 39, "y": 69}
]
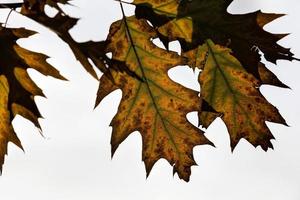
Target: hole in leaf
[
  {"x": 50, "y": 11},
  {"x": 98, "y": 72},
  {"x": 109, "y": 55},
  {"x": 158, "y": 43},
  {"x": 175, "y": 46},
  {"x": 185, "y": 76}
]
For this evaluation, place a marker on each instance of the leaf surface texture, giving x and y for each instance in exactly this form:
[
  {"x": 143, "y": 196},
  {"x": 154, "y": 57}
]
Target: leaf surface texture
[{"x": 156, "y": 106}]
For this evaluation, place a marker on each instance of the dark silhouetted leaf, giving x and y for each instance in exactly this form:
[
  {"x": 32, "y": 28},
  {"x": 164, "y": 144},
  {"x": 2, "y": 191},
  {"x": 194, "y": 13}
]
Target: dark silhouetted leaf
[{"x": 17, "y": 89}]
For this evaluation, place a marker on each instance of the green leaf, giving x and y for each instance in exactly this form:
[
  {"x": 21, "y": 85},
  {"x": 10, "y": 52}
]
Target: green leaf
[{"x": 234, "y": 93}]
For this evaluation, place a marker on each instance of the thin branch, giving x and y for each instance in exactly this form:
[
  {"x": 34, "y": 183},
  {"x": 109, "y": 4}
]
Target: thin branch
[
  {"x": 11, "y": 10},
  {"x": 11, "y": 5}
]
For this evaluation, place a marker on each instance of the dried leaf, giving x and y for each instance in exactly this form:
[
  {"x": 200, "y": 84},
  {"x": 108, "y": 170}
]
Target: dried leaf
[
  {"x": 16, "y": 88},
  {"x": 61, "y": 24}
]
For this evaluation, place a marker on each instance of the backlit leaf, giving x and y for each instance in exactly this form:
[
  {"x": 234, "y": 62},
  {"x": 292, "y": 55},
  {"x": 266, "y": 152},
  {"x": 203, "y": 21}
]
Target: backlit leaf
[
  {"x": 16, "y": 88},
  {"x": 226, "y": 48},
  {"x": 193, "y": 22},
  {"x": 157, "y": 106},
  {"x": 234, "y": 93}
]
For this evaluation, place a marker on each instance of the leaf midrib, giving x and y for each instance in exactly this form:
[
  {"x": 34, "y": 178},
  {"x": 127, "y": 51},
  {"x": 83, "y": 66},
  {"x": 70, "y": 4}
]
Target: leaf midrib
[
  {"x": 149, "y": 89},
  {"x": 230, "y": 88}
]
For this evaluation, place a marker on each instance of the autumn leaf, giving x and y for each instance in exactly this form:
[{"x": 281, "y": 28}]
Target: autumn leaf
[
  {"x": 157, "y": 106},
  {"x": 16, "y": 87},
  {"x": 197, "y": 59},
  {"x": 193, "y": 22},
  {"x": 235, "y": 94},
  {"x": 227, "y": 48}
]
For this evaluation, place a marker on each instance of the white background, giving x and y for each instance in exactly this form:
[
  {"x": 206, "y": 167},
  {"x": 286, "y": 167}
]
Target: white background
[{"x": 72, "y": 161}]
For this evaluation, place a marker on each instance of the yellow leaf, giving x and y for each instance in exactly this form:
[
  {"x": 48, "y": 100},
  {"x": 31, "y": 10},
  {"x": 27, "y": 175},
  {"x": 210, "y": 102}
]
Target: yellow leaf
[
  {"x": 16, "y": 87},
  {"x": 157, "y": 106}
]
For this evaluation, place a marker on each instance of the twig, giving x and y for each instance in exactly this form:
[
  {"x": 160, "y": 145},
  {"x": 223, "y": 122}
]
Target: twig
[
  {"x": 11, "y": 5},
  {"x": 11, "y": 10}
]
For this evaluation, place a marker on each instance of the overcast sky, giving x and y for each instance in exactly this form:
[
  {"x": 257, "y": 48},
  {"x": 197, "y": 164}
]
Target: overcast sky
[{"x": 73, "y": 161}]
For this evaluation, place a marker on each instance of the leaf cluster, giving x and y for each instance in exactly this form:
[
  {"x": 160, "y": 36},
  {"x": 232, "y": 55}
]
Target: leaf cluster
[{"x": 226, "y": 48}]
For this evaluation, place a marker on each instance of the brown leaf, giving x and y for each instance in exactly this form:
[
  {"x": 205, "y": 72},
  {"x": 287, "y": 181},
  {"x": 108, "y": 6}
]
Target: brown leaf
[
  {"x": 17, "y": 89},
  {"x": 38, "y": 6},
  {"x": 61, "y": 24}
]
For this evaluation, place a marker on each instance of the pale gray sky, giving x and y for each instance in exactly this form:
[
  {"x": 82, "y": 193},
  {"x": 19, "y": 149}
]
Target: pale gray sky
[{"x": 73, "y": 161}]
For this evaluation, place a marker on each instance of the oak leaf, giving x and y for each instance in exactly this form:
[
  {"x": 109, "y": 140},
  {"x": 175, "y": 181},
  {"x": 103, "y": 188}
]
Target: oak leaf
[
  {"x": 16, "y": 87},
  {"x": 234, "y": 93},
  {"x": 193, "y": 22},
  {"x": 155, "y": 106}
]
